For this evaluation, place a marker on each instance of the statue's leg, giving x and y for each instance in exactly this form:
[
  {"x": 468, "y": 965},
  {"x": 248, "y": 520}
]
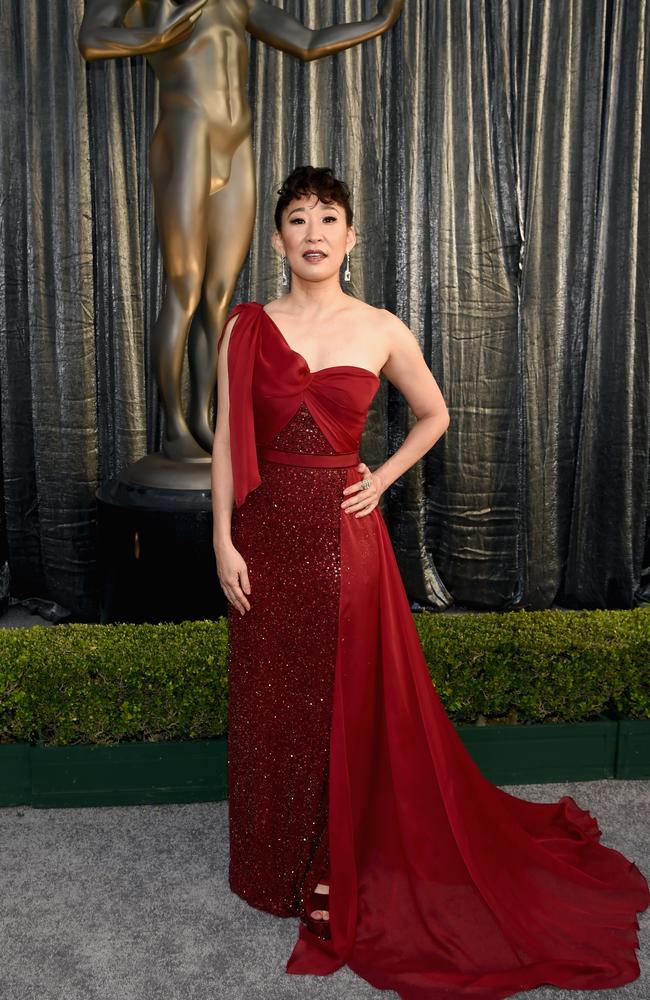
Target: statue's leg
[
  {"x": 230, "y": 218},
  {"x": 179, "y": 162}
]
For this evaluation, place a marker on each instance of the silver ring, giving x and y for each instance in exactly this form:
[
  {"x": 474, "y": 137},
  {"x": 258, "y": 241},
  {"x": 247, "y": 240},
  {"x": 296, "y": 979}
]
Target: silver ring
[{"x": 366, "y": 483}]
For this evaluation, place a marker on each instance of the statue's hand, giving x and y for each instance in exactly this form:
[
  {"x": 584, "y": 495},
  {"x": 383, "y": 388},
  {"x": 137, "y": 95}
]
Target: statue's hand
[
  {"x": 390, "y": 9},
  {"x": 174, "y": 23}
]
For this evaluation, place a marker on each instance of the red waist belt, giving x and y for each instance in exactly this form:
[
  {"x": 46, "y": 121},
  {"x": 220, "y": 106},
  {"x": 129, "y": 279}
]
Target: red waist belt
[{"x": 320, "y": 461}]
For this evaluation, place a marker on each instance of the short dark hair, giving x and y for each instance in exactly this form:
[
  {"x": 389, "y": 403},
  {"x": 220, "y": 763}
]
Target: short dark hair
[{"x": 313, "y": 180}]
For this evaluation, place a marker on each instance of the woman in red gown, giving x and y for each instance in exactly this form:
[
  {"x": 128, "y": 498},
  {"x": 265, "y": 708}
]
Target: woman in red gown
[{"x": 344, "y": 769}]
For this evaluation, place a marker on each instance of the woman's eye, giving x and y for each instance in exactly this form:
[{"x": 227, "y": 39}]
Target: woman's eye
[
  {"x": 330, "y": 217},
  {"x": 297, "y": 220}
]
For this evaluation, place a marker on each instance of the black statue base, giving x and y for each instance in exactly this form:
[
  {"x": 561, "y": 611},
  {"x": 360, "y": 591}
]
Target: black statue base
[{"x": 155, "y": 556}]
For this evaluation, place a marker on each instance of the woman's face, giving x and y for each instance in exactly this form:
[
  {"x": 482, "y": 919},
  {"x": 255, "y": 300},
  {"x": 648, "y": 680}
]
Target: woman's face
[{"x": 315, "y": 237}]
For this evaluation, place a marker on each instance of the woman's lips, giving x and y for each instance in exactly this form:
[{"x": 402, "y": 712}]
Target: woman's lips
[{"x": 314, "y": 256}]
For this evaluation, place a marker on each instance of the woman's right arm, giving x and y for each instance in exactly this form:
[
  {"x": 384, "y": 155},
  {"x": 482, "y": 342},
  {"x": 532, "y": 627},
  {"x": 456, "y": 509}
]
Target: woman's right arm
[{"x": 231, "y": 567}]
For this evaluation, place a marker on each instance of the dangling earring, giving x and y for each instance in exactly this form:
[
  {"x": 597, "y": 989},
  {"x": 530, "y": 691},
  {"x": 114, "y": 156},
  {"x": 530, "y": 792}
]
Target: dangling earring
[
  {"x": 285, "y": 279},
  {"x": 347, "y": 275}
]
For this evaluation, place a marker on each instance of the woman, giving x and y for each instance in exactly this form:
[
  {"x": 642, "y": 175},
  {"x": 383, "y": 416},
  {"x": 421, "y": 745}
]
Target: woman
[{"x": 344, "y": 770}]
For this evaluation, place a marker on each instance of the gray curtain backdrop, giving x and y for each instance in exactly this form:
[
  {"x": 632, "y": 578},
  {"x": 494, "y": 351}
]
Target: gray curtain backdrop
[{"x": 497, "y": 152}]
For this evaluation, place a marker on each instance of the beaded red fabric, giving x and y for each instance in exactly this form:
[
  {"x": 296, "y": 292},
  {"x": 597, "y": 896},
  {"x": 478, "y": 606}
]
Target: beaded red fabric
[
  {"x": 281, "y": 675},
  {"x": 442, "y": 884}
]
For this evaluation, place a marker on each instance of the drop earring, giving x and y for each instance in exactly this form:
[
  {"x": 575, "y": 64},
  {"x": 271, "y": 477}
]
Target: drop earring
[
  {"x": 285, "y": 279},
  {"x": 347, "y": 275}
]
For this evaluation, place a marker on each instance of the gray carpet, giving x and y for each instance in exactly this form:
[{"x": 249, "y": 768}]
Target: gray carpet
[{"x": 133, "y": 904}]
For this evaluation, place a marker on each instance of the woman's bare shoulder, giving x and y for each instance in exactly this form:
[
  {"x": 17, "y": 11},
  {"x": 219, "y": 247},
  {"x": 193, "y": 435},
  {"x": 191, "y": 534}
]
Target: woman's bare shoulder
[
  {"x": 382, "y": 324},
  {"x": 376, "y": 316}
]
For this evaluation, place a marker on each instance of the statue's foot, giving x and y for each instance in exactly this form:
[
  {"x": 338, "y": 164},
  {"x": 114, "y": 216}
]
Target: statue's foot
[
  {"x": 183, "y": 448},
  {"x": 203, "y": 433}
]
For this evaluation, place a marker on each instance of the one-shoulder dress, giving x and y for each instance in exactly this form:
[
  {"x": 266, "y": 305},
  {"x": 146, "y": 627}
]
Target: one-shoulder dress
[{"x": 342, "y": 763}]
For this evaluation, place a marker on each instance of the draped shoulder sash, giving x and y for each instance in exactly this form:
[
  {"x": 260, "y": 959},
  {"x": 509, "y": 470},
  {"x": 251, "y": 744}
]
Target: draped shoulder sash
[{"x": 242, "y": 350}]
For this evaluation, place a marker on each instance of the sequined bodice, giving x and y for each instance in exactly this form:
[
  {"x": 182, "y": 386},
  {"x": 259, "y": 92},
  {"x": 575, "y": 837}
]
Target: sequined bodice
[{"x": 302, "y": 434}]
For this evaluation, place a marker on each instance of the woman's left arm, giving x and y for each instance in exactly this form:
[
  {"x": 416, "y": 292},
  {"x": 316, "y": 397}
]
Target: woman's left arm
[
  {"x": 283, "y": 31},
  {"x": 407, "y": 370}
]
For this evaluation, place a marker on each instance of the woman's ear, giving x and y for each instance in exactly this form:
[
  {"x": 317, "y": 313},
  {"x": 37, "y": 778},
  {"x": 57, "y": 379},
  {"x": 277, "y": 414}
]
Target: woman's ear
[
  {"x": 278, "y": 244},
  {"x": 351, "y": 239}
]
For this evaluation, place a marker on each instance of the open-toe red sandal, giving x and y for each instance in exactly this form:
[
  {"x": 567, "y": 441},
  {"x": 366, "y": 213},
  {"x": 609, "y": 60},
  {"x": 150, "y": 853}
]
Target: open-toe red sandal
[{"x": 318, "y": 925}]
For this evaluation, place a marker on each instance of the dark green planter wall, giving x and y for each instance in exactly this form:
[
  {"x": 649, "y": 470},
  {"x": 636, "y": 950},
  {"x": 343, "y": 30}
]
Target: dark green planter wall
[
  {"x": 124, "y": 774},
  {"x": 520, "y": 755},
  {"x": 196, "y": 770},
  {"x": 633, "y": 756}
]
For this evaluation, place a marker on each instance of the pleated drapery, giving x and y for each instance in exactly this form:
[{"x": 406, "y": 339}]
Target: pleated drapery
[{"x": 497, "y": 152}]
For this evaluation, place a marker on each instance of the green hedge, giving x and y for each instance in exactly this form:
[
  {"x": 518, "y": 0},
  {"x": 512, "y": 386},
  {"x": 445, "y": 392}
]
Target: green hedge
[
  {"x": 66, "y": 684},
  {"x": 539, "y": 666},
  {"x": 110, "y": 683}
]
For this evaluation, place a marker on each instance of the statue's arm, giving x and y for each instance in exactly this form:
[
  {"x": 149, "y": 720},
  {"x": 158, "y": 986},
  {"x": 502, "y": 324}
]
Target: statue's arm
[
  {"x": 107, "y": 33},
  {"x": 283, "y": 31}
]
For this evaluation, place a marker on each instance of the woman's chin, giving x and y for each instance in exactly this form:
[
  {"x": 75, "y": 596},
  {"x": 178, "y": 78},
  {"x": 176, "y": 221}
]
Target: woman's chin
[{"x": 315, "y": 274}]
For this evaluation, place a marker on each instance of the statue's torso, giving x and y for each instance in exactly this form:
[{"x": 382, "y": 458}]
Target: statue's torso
[
  {"x": 204, "y": 85},
  {"x": 209, "y": 71}
]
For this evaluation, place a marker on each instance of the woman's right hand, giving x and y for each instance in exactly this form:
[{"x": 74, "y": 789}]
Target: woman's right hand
[{"x": 233, "y": 576}]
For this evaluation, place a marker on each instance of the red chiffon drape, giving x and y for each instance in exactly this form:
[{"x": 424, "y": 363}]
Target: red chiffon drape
[{"x": 441, "y": 884}]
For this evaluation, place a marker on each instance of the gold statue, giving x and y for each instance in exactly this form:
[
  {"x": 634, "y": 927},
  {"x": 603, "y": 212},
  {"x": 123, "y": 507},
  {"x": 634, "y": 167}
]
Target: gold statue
[{"x": 203, "y": 175}]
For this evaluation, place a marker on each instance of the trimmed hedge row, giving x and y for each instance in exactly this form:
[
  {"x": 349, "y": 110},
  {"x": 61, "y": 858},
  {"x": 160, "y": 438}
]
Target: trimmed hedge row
[
  {"x": 97, "y": 684},
  {"x": 539, "y": 666},
  {"x": 64, "y": 684}
]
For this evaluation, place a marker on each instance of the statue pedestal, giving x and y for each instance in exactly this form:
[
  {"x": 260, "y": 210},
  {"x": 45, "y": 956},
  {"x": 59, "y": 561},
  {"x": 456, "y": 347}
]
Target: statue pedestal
[{"x": 155, "y": 557}]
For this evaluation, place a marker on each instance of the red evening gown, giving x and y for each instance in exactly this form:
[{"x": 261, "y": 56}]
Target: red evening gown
[{"x": 342, "y": 762}]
